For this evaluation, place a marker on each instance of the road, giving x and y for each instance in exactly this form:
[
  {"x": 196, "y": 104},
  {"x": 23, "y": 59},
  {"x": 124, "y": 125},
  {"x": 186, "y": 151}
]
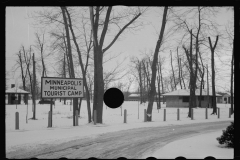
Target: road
[{"x": 133, "y": 143}]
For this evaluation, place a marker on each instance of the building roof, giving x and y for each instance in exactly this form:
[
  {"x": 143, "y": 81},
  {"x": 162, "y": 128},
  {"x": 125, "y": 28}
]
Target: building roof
[
  {"x": 134, "y": 95},
  {"x": 186, "y": 92},
  {"x": 137, "y": 95},
  {"x": 16, "y": 90}
]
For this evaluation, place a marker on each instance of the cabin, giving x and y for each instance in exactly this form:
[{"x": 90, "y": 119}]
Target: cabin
[
  {"x": 225, "y": 98},
  {"x": 16, "y": 96},
  {"x": 180, "y": 98}
]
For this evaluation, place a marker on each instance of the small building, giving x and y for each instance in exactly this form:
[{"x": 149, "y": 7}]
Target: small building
[
  {"x": 180, "y": 98},
  {"x": 136, "y": 97},
  {"x": 226, "y": 98},
  {"x": 15, "y": 95}
]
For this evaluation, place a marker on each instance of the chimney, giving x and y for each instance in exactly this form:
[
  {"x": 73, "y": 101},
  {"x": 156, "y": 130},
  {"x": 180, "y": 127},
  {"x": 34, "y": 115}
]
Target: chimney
[{"x": 12, "y": 85}]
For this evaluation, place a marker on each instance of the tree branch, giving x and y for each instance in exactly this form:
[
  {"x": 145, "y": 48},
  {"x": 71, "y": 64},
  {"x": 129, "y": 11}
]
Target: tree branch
[{"x": 119, "y": 33}]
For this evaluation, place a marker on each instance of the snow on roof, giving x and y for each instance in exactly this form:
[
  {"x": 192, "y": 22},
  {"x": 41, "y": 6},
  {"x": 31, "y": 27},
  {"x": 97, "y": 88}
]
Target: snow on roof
[
  {"x": 186, "y": 92},
  {"x": 15, "y": 90},
  {"x": 134, "y": 95},
  {"x": 137, "y": 95}
]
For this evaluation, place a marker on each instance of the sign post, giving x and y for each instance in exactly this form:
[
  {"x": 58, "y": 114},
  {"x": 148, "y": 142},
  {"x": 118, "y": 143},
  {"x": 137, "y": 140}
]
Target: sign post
[{"x": 56, "y": 87}]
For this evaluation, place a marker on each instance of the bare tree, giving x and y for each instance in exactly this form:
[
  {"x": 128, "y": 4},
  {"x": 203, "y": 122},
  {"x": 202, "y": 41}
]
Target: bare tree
[
  {"x": 173, "y": 75},
  {"x": 202, "y": 80},
  {"x": 27, "y": 60},
  {"x": 192, "y": 100},
  {"x": 137, "y": 67},
  {"x": 72, "y": 74},
  {"x": 20, "y": 63},
  {"x": 160, "y": 74},
  {"x": 40, "y": 44},
  {"x": 83, "y": 69},
  {"x": 232, "y": 63},
  {"x": 95, "y": 13},
  {"x": 212, "y": 48},
  {"x": 179, "y": 69},
  {"x": 154, "y": 63}
]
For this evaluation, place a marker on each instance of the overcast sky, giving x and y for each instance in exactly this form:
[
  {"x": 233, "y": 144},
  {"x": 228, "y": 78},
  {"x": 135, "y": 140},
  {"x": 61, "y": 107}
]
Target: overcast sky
[{"x": 20, "y": 31}]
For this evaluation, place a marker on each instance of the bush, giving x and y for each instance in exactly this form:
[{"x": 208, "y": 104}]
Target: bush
[{"x": 227, "y": 136}]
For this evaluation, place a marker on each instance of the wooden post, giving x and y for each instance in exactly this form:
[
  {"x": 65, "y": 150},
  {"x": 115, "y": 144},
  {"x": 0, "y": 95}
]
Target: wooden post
[
  {"x": 192, "y": 113},
  {"x": 76, "y": 116},
  {"x": 95, "y": 117},
  {"x": 17, "y": 121},
  {"x": 74, "y": 124},
  {"x": 145, "y": 115},
  {"x": 125, "y": 116},
  {"x": 178, "y": 115},
  {"x": 49, "y": 119},
  {"x": 218, "y": 112},
  {"x": 51, "y": 113},
  {"x": 229, "y": 112},
  {"x": 164, "y": 114},
  {"x": 138, "y": 109},
  {"x": 206, "y": 113},
  {"x": 27, "y": 113},
  {"x": 121, "y": 110}
]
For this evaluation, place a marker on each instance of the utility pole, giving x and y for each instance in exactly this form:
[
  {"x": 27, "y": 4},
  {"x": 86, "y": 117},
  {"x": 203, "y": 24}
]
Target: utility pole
[{"x": 34, "y": 85}]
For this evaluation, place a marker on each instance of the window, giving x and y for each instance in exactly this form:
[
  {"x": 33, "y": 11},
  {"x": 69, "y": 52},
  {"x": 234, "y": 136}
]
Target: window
[
  {"x": 185, "y": 98},
  {"x": 202, "y": 98}
]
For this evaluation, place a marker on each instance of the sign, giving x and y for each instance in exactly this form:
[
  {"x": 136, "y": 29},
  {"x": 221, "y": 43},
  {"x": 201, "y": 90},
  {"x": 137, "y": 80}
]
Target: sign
[{"x": 54, "y": 87}]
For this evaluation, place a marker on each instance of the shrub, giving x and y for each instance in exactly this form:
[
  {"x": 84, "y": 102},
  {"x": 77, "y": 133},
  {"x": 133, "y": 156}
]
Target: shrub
[{"x": 227, "y": 136}]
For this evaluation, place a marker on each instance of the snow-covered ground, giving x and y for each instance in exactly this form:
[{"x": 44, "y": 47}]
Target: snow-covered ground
[
  {"x": 35, "y": 132},
  {"x": 196, "y": 147}
]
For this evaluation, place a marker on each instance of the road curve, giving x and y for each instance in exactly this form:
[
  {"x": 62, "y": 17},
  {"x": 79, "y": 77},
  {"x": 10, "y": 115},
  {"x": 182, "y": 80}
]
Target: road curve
[{"x": 133, "y": 143}]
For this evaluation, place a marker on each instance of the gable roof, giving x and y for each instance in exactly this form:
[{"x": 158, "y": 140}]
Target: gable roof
[
  {"x": 16, "y": 90},
  {"x": 186, "y": 92}
]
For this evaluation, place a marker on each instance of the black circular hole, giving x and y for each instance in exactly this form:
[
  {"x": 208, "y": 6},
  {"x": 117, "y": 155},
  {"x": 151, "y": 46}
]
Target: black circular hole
[{"x": 113, "y": 97}]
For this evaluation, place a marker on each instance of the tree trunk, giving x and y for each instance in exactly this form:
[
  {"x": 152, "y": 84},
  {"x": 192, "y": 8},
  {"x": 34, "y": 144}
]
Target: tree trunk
[
  {"x": 98, "y": 84},
  {"x": 64, "y": 74},
  {"x": 179, "y": 70},
  {"x": 207, "y": 87},
  {"x": 173, "y": 72},
  {"x": 155, "y": 60},
  {"x": 232, "y": 111},
  {"x": 140, "y": 81},
  {"x": 192, "y": 101},
  {"x": 212, "y": 48},
  {"x": 72, "y": 75},
  {"x": 79, "y": 107},
  {"x": 159, "y": 102},
  {"x": 67, "y": 56},
  {"x": 160, "y": 69},
  {"x": 22, "y": 74},
  {"x": 82, "y": 69},
  {"x": 201, "y": 87},
  {"x": 181, "y": 73},
  {"x": 202, "y": 80},
  {"x": 34, "y": 92}
]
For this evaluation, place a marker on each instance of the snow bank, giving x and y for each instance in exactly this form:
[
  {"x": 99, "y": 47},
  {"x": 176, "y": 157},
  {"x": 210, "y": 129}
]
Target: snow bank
[{"x": 196, "y": 147}]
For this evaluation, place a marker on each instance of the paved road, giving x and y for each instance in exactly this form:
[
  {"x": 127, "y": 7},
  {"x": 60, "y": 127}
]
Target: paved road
[{"x": 133, "y": 143}]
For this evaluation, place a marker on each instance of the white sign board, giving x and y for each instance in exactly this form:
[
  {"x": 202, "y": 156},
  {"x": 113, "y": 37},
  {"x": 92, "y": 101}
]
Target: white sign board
[{"x": 54, "y": 87}]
